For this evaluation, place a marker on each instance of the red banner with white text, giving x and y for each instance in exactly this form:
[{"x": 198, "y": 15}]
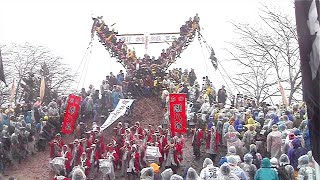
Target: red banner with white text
[
  {"x": 71, "y": 114},
  {"x": 178, "y": 118}
]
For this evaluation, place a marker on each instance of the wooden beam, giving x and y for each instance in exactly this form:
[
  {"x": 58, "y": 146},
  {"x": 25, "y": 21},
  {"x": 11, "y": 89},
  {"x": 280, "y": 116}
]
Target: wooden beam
[
  {"x": 130, "y": 35},
  {"x": 164, "y": 33},
  {"x": 149, "y": 43},
  {"x": 148, "y": 34}
]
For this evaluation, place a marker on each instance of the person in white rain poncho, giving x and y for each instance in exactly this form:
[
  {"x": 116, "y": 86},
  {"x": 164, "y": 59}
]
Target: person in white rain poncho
[
  {"x": 209, "y": 171},
  {"x": 232, "y": 152},
  {"x": 274, "y": 142},
  {"x": 232, "y": 138},
  {"x": 274, "y": 163},
  {"x": 285, "y": 162},
  {"x": 176, "y": 177},
  {"x": 166, "y": 174},
  {"x": 78, "y": 174},
  {"x": 147, "y": 174},
  {"x": 249, "y": 168},
  {"x": 205, "y": 107},
  {"x": 305, "y": 171},
  {"x": 235, "y": 169},
  {"x": 226, "y": 174},
  {"x": 192, "y": 174}
]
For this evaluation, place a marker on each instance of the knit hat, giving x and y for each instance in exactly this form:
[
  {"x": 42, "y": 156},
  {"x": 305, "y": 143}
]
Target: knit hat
[{"x": 291, "y": 136}]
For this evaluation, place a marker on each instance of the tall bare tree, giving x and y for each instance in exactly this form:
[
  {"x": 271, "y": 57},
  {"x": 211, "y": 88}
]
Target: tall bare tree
[
  {"x": 27, "y": 63},
  {"x": 273, "y": 45}
]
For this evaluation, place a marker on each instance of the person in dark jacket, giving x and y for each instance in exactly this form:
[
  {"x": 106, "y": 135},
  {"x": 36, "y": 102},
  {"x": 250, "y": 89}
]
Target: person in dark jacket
[
  {"x": 222, "y": 95},
  {"x": 296, "y": 152}
]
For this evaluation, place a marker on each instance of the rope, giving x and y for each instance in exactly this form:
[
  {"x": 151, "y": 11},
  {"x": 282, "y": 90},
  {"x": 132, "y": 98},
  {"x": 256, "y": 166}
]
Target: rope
[
  {"x": 209, "y": 48},
  {"x": 82, "y": 70},
  {"x": 204, "y": 58},
  {"x": 87, "y": 67},
  {"x": 85, "y": 54},
  {"x": 85, "y": 59}
]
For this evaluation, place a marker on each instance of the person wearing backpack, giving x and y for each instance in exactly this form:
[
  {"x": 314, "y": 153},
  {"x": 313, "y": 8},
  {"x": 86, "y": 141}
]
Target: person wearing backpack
[
  {"x": 249, "y": 168},
  {"x": 285, "y": 170},
  {"x": 305, "y": 171},
  {"x": 255, "y": 160},
  {"x": 296, "y": 152}
]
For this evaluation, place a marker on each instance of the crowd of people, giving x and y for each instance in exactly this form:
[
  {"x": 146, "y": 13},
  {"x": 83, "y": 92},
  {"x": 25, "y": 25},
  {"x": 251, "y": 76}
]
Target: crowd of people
[
  {"x": 26, "y": 129},
  {"x": 262, "y": 141},
  {"x": 138, "y": 67}
]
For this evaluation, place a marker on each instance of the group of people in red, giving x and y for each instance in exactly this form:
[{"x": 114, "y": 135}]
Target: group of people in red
[{"x": 127, "y": 150}]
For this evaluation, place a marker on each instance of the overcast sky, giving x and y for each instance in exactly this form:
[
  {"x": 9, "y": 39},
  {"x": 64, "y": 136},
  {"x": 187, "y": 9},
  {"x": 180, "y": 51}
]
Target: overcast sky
[{"x": 64, "y": 26}]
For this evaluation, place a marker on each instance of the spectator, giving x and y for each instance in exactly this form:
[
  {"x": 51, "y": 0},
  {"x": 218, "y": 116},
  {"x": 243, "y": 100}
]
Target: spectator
[{"x": 266, "y": 172}]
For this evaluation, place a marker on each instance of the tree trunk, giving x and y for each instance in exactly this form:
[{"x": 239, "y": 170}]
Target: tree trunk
[{"x": 17, "y": 89}]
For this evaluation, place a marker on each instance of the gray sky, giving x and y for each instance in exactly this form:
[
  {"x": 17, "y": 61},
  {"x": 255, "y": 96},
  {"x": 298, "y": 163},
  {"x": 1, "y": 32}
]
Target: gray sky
[{"x": 64, "y": 26}]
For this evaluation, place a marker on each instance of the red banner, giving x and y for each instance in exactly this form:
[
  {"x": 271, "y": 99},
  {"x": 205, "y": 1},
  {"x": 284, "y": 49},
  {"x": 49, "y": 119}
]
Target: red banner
[
  {"x": 178, "y": 118},
  {"x": 71, "y": 114}
]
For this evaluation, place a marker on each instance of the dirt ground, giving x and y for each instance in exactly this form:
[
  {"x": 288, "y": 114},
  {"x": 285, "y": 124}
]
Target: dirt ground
[{"x": 146, "y": 111}]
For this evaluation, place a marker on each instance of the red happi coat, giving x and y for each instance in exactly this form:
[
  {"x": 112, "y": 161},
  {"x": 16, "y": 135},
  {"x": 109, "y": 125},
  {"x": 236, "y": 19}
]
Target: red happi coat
[
  {"x": 136, "y": 157},
  {"x": 87, "y": 164},
  {"x": 149, "y": 138},
  {"x": 51, "y": 144},
  {"x": 140, "y": 130},
  {"x": 218, "y": 137},
  {"x": 115, "y": 154},
  {"x": 79, "y": 152},
  {"x": 176, "y": 156},
  {"x": 102, "y": 145},
  {"x": 61, "y": 143},
  {"x": 197, "y": 138},
  {"x": 120, "y": 131},
  {"x": 116, "y": 161},
  {"x": 137, "y": 162},
  {"x": 164, "y": 144},
  {"x": 68, "y": 157},
  {"x": 89, "y": 142},
  {"x": 208, "y": 138},
  {"x": 179, "y": 147},
  {"x": 52, "y": 147},
  {"x": 131, "y": 138}
]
